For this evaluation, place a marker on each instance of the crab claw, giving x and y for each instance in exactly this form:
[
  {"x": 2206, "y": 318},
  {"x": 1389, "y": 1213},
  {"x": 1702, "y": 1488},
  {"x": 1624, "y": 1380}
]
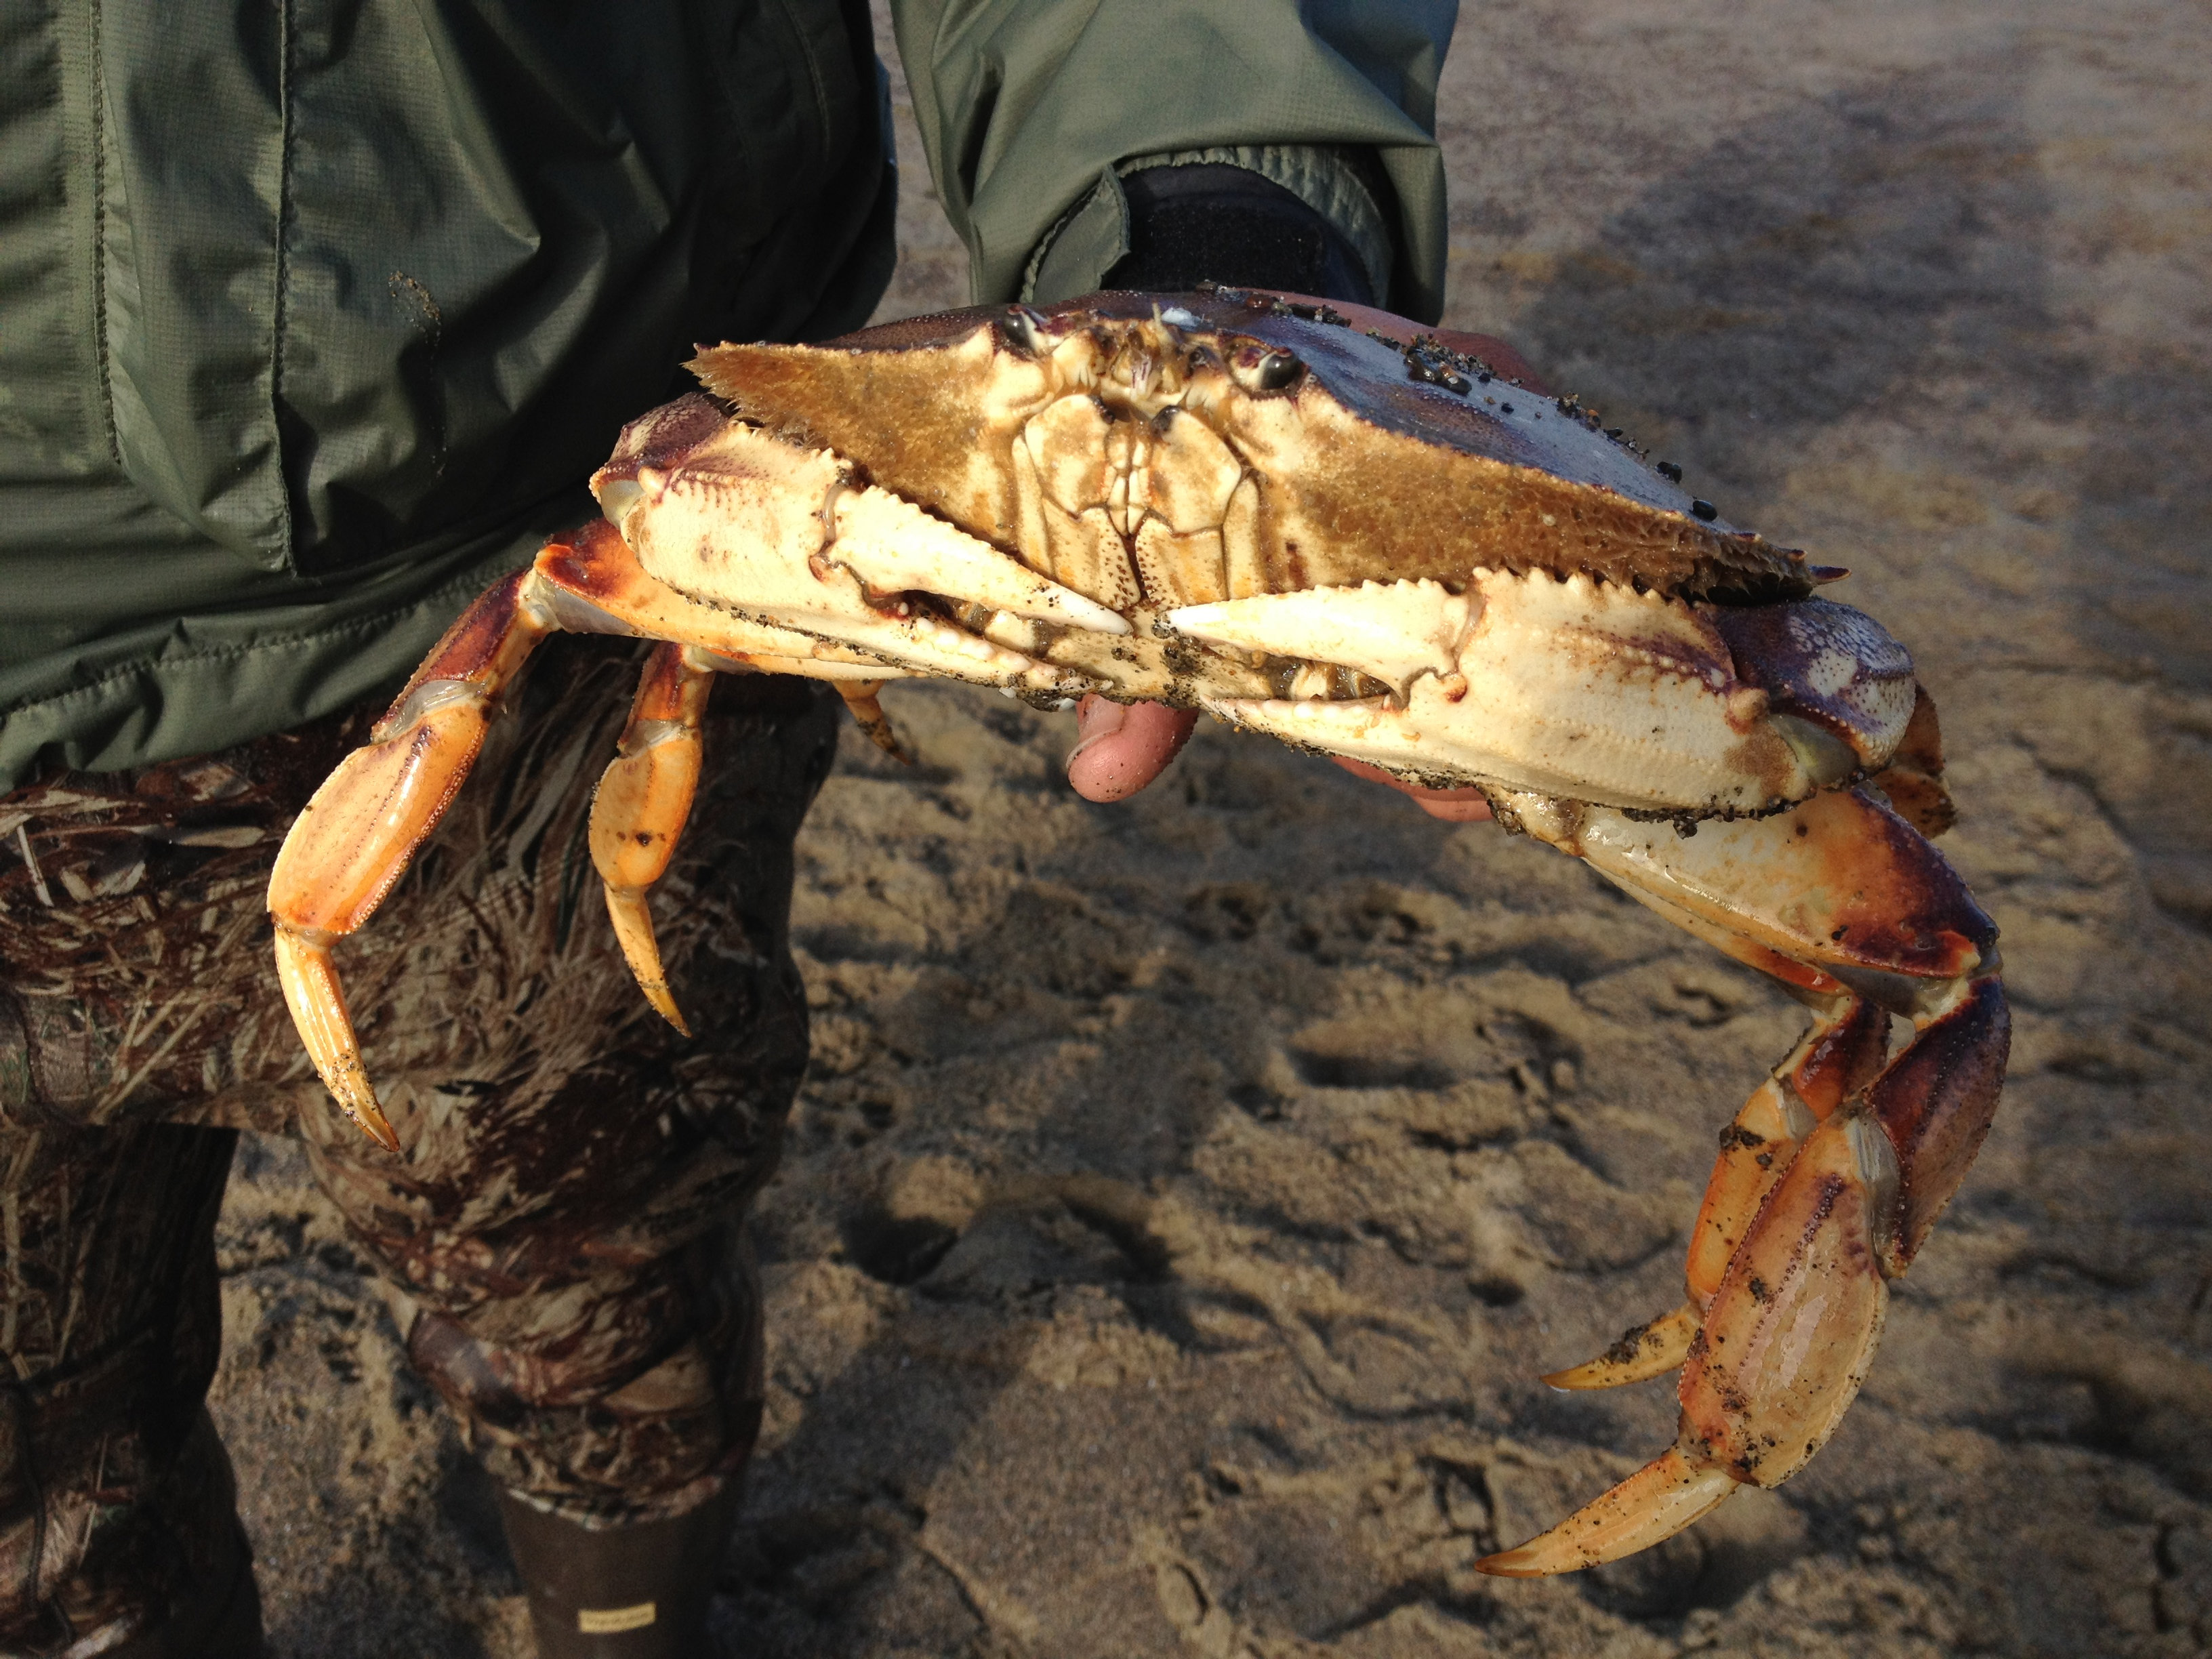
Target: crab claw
[
  {"x": 1580, "y": 688},
  {"x": 1783, "y": 1350},
  {"x": 894, "y": 547},
  {"x": 1390, "y": 631},
  {"x": 1830, "y": 1178},
  {"x": 736, "y": 511},
  {"x": 1842, "y": 1052}
]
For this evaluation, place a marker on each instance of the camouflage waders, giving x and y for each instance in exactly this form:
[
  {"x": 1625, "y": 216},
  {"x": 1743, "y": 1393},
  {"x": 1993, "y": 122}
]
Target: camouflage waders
[{"x": 559, "y": 1236}]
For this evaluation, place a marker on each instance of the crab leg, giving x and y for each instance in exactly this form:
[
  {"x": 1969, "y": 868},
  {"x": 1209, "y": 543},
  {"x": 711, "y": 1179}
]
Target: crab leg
[
  {"x": 1845, "y": 901},
  {"x": 644, "y": 797},
  {"x": 354, "y": 838},
  {"x": 868, "y": 714}
]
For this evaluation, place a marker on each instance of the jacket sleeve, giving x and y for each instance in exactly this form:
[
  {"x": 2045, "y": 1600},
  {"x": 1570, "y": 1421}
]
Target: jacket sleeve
[{"x": 1028, "y": 108}]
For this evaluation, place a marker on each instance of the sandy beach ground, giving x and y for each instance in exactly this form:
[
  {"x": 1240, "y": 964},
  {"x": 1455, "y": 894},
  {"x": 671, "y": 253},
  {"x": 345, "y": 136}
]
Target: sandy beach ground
[{"x": 1187, "y": 1194}]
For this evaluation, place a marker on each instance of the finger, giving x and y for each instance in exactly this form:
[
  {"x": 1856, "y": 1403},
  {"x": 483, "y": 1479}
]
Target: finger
[
  {"x": 1453, "y": 805},
  {"x": 1122, "y": 748}
]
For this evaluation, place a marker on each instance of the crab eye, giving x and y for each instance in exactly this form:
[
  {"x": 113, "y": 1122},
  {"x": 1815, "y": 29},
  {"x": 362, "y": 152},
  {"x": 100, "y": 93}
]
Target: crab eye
[
  {"x": 1262, "y": 371},
  {"x": 1023, "y": 329}
]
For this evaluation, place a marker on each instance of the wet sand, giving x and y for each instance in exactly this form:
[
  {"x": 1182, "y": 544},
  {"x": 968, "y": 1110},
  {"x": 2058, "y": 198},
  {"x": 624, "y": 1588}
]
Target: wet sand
[{"x": 1187, "y": 1194}]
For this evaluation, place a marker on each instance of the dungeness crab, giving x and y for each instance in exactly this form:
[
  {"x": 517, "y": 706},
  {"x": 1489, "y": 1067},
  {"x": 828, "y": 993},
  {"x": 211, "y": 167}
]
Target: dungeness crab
[{"x": 1339, "y": 530}]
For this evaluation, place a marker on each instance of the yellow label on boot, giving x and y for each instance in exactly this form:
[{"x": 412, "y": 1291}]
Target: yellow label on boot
[{"x": 607, "y": 1621}]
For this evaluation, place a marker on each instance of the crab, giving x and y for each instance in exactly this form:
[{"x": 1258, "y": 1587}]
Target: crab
[{"x": 1332, "y": 527}]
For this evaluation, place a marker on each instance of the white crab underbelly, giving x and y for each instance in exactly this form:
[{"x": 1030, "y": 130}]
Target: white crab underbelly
[{"x": 1567, "y": 687}]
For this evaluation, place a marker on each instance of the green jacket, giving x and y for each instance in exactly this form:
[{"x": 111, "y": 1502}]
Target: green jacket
[{"x": 314, "y": 316}]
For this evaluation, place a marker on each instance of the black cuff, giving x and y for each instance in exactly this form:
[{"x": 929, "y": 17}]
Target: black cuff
[{"x": 1210, "y": 221}]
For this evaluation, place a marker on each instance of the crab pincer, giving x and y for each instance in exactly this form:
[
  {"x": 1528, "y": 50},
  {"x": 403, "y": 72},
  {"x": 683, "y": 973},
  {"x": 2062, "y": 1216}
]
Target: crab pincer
[{"x": 1829, "y": 1179}]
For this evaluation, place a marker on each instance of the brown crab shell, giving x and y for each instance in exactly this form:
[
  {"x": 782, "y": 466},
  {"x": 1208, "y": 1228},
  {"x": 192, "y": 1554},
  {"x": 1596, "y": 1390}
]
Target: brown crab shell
[{"x": 1387, "y": 459}]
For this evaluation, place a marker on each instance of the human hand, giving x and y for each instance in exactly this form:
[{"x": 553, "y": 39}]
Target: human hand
[{"x": 1121, "y": 747}]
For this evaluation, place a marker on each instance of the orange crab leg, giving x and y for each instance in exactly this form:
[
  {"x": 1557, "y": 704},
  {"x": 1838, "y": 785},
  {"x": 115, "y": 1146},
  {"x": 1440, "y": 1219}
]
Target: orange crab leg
[
  {"x": 867, "y": 713},
  {"x": 644, "y": 797},
  {"x": 1859, "y": 1169},
  {"x": 354, "y": 838}
]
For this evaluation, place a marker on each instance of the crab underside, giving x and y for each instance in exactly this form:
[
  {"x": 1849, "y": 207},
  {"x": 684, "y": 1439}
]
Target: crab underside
[{"x": 1348, "y": 534}]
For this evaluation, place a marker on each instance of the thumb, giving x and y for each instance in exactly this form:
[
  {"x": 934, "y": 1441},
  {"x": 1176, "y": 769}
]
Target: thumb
[{"x": 1121, "y": 747}]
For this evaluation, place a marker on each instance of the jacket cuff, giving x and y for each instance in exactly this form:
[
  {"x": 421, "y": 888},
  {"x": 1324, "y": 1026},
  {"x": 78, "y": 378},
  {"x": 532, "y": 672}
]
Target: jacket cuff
[{"x": 1096, "y": 235}]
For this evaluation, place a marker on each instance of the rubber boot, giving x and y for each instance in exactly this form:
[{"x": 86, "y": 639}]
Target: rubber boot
[
  {"x": 634, "y": 1592},
  {"x": 221, "y": 1618},
  {"x": 214, "y": 1606}
]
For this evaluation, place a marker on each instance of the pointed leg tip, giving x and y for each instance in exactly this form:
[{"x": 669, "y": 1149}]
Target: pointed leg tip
[
  {"x": 1602, "y": 1372},
  {"x": 634, "y": 933},
  {"x": 868, "y": 714},
  {"x": 1515, "y": 1564},
  {"x": 664, "y": 1004},
  {"x": 375, "y": 1125},
  {"x": 881, "y": 733},
  {"x": 347, "y": 1079},
  {"x": 317, "y": 1005},
  {"x": 652, "y": 985},
  {"x": 884, "y": 738},
  {"x": 348, "y": 1082}
]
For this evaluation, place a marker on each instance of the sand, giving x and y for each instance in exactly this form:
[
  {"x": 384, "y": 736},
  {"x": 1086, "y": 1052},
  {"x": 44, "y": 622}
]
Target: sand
[{"x": 1187, "y": 1194}]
